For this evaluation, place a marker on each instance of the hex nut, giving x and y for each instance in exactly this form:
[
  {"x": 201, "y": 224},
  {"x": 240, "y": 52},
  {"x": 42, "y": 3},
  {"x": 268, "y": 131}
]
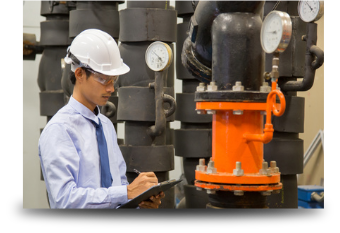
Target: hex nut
[
  {"x": 211, "y": 167},
  {"x": 273, "y": 167},
  {"x": 238, "y": 87},
  {"x": 211, "y": 170},
  {"x": 211, "y": 191},
  {"x": 201, "y": 112},
  {"x": 267, "y": 193},
  {"x": 238, "y": 192},
  {"x": 201, "y": 168},
  {"x": 201, "y": 87},
  {"x": 238, "y": 172},
  {"x": 238, "y": 112},
  {"x": 212, "y": 87},
  {"x": 211, "y": 112},
  {"x": 265, "y": 88}
]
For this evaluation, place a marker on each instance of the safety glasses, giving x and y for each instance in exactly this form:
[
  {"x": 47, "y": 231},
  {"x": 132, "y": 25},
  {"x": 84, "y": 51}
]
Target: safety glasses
[{"x": 104, "y": 79}]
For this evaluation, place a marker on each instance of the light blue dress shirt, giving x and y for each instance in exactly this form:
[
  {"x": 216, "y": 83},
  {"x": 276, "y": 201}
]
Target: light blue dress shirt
[{"x": 70, "y": 162}]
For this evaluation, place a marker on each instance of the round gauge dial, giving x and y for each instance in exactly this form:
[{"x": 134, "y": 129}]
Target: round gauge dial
[
  {"x": 276, "y": 32},
  {"x": 158, "y": 56},
  {"x": 310, "y": 11}
]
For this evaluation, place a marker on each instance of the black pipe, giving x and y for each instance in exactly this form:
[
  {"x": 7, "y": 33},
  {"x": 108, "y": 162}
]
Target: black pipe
[
  {"x": 236, "y": 51},
  {"x": 159, "y": 127},
  {"x": 310, "y": 64},
  {"x": 319, "y": 56},
  {"x": 169, "y": 99}
]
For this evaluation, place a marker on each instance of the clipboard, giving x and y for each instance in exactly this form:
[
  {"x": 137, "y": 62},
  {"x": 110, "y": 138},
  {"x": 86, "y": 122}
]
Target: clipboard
[{"x": 153, "y": 191}]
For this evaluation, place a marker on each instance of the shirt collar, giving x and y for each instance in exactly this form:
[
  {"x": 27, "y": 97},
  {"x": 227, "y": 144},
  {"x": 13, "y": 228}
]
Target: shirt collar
[{"x": 83, "y": 110}]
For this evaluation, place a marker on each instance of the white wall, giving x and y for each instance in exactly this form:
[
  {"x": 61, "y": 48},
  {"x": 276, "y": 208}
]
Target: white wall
[{"x": 34, "y": 191}]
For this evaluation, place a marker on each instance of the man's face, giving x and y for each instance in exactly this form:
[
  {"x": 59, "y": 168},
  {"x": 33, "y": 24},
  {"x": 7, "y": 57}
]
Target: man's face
[{"x": 93, "y": 92}]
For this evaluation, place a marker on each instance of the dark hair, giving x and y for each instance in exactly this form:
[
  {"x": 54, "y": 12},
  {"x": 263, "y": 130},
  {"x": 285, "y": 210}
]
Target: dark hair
[{"x": 72, "y": 76}]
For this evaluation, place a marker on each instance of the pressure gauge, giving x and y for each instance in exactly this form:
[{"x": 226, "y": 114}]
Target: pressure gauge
[
  {"x": 276, "y": 32},
  {"x": 158, "y": 56},
  {"x": 310, "y": 11}
]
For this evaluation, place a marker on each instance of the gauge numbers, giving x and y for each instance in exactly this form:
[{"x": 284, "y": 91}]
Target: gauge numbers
[
  {"x": 310, "y": 10},
  {"x": 276, "y": 32},
  {"x": 158, "y": 56}
]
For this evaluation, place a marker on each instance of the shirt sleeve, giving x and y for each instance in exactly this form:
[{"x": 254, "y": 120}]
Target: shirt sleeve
[{"x": 60, "y": 167}]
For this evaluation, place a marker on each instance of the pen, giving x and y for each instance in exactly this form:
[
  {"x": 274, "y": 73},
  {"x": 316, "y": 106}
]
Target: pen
[{"x": 135, "y": 170}]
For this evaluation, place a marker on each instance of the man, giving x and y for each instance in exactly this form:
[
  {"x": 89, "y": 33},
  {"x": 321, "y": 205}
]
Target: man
[{"x": 80, "y": 159}]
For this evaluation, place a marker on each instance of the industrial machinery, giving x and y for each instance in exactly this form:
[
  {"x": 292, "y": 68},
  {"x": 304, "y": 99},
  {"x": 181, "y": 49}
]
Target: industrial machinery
[
  {"x": 193, "y": 138},
  {"x": 146, "y": 26},
  {"x": 240, "y": 63},
  {"x": 223, "y": 50}
]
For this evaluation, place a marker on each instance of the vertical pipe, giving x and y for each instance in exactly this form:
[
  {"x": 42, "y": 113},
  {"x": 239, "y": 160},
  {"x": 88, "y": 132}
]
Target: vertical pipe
[
  {"x": 242, "y": 59},
  {"x": 228, "y": 144}
]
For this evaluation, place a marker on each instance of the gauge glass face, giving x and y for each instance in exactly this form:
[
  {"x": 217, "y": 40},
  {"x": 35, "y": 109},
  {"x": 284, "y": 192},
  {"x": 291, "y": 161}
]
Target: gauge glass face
[
  {"x": 308, "y": 10},
  {"x": 157, "y": 56},
  {"x": 271, "y": 33}
]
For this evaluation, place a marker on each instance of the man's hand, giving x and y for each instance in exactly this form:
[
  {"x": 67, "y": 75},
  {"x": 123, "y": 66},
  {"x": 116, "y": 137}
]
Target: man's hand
[
  {"x": 143, "y": 182},
  {"x": 153, "y": 203}
]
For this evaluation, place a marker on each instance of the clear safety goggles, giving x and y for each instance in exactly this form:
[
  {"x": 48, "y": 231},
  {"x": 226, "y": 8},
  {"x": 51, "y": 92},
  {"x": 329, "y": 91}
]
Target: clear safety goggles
[{"x": 104, "y": 79}]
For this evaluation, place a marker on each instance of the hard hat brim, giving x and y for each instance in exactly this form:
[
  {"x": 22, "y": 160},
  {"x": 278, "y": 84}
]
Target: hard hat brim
[{"x": 120, "y": 71}]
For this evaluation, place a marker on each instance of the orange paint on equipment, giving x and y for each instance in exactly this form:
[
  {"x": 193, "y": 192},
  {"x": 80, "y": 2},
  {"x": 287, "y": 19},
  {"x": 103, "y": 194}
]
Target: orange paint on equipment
[
  {"x": 240, "y": 138},
  {"x": 229, "y": 145}
]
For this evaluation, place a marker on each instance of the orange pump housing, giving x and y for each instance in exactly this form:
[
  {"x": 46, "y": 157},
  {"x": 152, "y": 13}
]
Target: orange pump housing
[
  {"x": 229, "y": 145},
  {"x": 240, "y": 138}
]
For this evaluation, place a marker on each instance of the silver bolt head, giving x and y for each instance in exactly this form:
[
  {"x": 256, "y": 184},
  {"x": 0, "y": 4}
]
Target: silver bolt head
[
  {"x": 201, "y": 168},
  {"x": 201, "y": 87},
  {"x": 238, "y": 172},
  {"x": 211, "y": 170},
  {"x": 201, "y": 112},
  {"x": 212, "y": 86},
  {"x": 211, "y": 191},
  {"x": 211, "y": 112},
  {"x": 238, "y": 192},
  {"x": 265, "y": 88},
  {"x": 238, "y": 86},
  {"x": 238, "y": 112},
  {"x": 199, "y": 189},
  {"x": 266, "y": 172},
  {"x": 267, "y": 193}
]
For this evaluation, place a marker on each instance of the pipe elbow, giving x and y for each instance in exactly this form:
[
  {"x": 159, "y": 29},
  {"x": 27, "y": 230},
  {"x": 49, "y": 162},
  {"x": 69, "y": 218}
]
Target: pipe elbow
[
  {"x": 319, "y": 54},
  {"x": 266, "y": 137},
  {"x": 268, "y": 133}
]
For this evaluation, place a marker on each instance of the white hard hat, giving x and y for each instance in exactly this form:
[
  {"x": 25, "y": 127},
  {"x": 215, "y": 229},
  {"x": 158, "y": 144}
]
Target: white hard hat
[{"x": 96, "y": 50}]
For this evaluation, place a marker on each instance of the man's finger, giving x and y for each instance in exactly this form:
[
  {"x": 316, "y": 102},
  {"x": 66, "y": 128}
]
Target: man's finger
[
  {"x": 148, "y": 205},
  {"x": 149, "y": 174}
]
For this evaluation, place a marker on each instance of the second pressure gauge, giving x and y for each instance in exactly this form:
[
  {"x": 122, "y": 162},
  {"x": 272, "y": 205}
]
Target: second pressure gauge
[
  {"x": 310, "y": 11},
  {"x": 158, "y": 56},
  {"x": 276, "y": 32}
]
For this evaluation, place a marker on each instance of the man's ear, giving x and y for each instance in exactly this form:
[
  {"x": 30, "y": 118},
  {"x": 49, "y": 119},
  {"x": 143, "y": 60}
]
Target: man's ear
[{"x": 80, "y": 74}]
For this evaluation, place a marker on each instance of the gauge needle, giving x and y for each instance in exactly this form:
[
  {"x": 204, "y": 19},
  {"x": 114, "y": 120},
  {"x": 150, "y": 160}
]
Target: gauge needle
[
  {"x": 309, "y": 6},
  {"x": 274, "y": 32},
  {"x": 157, "y": 56}
]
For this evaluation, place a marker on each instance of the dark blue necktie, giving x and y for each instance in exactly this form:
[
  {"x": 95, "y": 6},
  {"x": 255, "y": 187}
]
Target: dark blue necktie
[{"x": 105, "y": 175}]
